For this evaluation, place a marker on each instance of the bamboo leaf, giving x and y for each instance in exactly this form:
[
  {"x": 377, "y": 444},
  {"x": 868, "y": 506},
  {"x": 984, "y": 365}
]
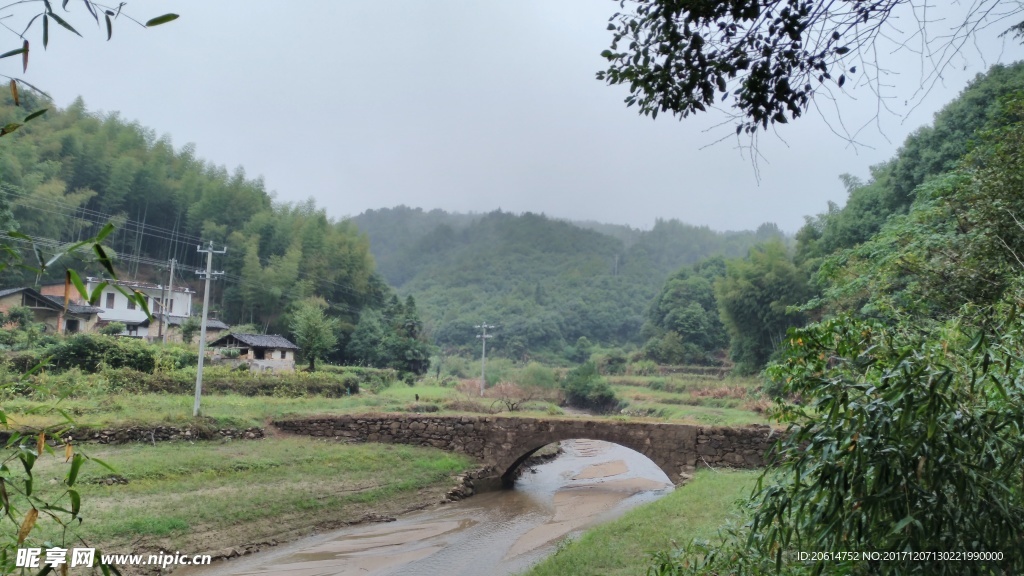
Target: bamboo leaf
[
  {"x": 104, "y": 259},
  {"x": 12, "y": 53},
  {"x": 95, "y": 296},
  {"x": 14, "y": 92},
  {"x": 24, "y": 56},
  {"x": 161, "y": 20},
  {"x": 68, "y": 451},
  {"x": 27, "y": 524},
  {"x": 63, "y": 23},
  {"x": 5, "y": 500},
  {"x": 30, "y": 23},
  {"x": 36, "y": 114},
  {"x": 110, "y": 30},
  {"x": 79, "y": 285},
  {"x": 9, "y": 128},
  {"x": 88, "y": 6},
  {"x": 104, "y": 232},
  {"x": 76, "y": 502},
  {"x": 46, "y": 31},
  {"x": 104, "y": 464},
  {"x": 41, "y": 443},
  {"x": 76, "y": 465}
]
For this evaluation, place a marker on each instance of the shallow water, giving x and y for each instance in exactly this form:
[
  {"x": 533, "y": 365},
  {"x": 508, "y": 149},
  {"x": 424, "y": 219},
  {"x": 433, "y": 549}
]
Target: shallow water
[{"x": 493, "y": 533}]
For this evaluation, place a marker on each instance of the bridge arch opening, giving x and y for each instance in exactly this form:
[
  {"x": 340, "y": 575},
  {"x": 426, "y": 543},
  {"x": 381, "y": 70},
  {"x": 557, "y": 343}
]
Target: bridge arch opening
[{"x": 636, "y": 463}]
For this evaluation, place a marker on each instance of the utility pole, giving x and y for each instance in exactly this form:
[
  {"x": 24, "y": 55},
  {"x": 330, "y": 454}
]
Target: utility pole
[
  {"x": 167, "y": 316},
  {"x": 206, "y": 308},
  {"x": 483, "y": 336}
]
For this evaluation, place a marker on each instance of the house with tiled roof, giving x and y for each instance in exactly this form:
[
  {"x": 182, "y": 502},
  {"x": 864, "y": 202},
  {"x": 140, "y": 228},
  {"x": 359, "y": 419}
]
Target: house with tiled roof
[
  {"x": 49, "y": 310},
  {"x": 167, "y": 307},
  {"x": 262, "y": 352}
]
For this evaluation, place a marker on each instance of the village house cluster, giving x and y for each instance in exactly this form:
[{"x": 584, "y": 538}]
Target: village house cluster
[{"x": 169, "y": 309}]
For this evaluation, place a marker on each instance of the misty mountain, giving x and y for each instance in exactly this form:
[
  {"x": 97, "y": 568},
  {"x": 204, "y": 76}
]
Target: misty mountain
[{"x": 546, "y": 282}]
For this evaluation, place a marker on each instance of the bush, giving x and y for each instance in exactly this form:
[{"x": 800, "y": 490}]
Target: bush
[
  {"x": 170, "y": 358},
  {"x": 19, "y": 316},
  {"x": 113, "y": 329},
  {"x": 23, "y": 362},
  {"x": 913, "y": 441},
  {"x": 87, "y": 352},
  {"x": 584, "y": 388},
  {"x": 612, "y": 364},
  {"x": 537, "y": 375},
  {"x": 642, "y": 368}
]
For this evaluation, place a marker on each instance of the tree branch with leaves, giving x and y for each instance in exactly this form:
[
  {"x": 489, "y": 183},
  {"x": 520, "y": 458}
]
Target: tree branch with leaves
[
  {"x": 768, "y": 60},
  {"x": 42, "y": 12}
]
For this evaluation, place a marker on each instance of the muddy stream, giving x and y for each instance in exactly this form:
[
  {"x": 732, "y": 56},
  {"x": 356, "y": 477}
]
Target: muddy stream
[{"x": 492, "y": 533}]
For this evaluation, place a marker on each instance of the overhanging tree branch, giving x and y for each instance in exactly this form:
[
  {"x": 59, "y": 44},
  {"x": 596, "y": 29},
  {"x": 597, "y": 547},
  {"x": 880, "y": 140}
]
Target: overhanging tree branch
[{"x": 770, "y": 58}]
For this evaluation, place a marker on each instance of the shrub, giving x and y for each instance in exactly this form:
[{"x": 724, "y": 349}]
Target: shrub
[
  {"x": 612, "y": 364},
  {"x": 537, "y": 375},
  {"x": 175, "y": 358},
  {"x": 584, "y": 388},
  {"x": 642, "y": 368},
  {"x": 23, "y": 362},
  {"x": 113, "y": 329},
  {"x": 87, "y": 352}
]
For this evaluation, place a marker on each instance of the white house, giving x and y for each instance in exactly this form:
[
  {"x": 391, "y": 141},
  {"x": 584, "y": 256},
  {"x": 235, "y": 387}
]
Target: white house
[{"x": 115, "y": 307}]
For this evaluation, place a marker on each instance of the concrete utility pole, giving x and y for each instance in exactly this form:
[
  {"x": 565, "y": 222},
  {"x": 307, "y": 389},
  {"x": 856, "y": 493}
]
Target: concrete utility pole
[
  {"x": 483, "y": 336},
  {"x": 206, "y": 308},
  {"x": 167, "y": 316}
]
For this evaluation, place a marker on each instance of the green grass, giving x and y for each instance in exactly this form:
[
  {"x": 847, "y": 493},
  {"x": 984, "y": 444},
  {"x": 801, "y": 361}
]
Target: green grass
[
  {"x": 229, "y": 410},
  {"x": 622, "y": 547},
  {"x": 689, "y": 398},
  {"x": 176, "y": 492},
  {"x": 679, "y": 398}
]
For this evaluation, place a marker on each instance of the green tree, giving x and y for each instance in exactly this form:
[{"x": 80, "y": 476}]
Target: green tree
[
  {"x": 315, "y": 332},
  {"x": 755, "y": 298},
  {"x": 683, "y": 324},
  {"x": 365, "y": 347},
  {"x": 190, "y": 327},
  {"x": 903, "y": 446}
]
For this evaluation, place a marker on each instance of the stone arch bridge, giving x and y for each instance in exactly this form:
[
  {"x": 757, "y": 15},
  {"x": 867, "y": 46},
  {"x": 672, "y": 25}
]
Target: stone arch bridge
[{"x": 503, "y": 443}]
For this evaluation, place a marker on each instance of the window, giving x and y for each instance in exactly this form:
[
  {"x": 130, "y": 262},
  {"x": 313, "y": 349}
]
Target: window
[
  {"x": 170, "y": 305},
  {"x": 284, "y": 355},
  {"x": 110, "y": 300},
  {"x": 131, "y": 303},
  {"x": 71, "y": 326},
  {"x": 260, "y": 353}
]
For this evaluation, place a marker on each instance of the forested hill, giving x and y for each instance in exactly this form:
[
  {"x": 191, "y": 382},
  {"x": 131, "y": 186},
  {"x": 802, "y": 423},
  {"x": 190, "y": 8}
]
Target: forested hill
[
  {"x": 546, "y": 282},
  {"x": 69, "y": 172}
]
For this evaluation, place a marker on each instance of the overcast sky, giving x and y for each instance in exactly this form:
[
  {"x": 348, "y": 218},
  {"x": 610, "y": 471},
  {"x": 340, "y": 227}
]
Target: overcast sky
[{"x": 460, "y": 105}]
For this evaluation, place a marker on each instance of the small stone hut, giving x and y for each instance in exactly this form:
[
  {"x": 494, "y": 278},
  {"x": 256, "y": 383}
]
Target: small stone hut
[{"x": 261, "y": 352}]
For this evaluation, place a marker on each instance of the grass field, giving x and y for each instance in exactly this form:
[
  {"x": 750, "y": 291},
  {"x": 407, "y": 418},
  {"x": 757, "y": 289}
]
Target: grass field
[
  {"x": 203, "y": 497},
  {"x": 731, "y": 402},
  {"x": 702, "y": 400},
  {"x": 622, "y": 547}
]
